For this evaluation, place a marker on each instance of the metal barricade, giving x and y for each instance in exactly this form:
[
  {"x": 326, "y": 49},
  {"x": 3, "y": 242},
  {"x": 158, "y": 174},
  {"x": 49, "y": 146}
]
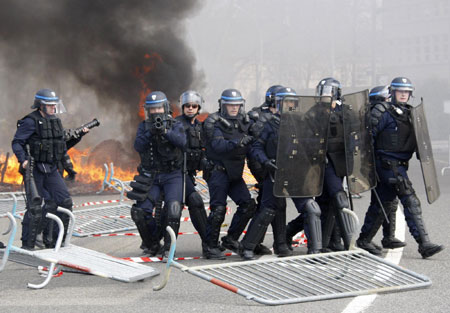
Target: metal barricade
[
  {"x": 109, "y": 181},
  {"x": 103, "y": 220},
  {"x": 11, "y": 202},
  {"x": 305, "y": 278},
  {"x": 78, "y": 258}
]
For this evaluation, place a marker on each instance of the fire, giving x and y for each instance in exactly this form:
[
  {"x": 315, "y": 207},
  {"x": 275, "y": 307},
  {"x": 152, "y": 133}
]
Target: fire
[
  {"x": 87, "y": 173},
  {"x": 11, "y": 174},
  {"x": 91, "y": 173}
]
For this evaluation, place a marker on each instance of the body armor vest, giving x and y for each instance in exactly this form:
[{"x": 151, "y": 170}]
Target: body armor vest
[
  {"x": 161, "y": 156},
  {"x": 400, "y": 140},
  {"x": 335, "y": 143},
  {"x": 234, "y": 160},
  {"x": 47, "y": 144},
  {"x": 194, "y": 143}
]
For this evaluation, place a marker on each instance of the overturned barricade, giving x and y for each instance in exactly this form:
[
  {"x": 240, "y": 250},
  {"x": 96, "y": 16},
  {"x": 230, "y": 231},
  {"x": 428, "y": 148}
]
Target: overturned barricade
[
  {"x": 11, "y": 202},
  {"x": 305, "y": 278},
  {"x": 109, "y": 181},
  {"x": 75, "y": 257},
  {"x": 103, "y": 220}
]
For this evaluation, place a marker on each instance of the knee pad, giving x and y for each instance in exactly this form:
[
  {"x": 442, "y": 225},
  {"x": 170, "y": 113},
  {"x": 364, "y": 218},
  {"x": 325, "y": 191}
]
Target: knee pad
[
  {"x": 312, "y": 208},
  {"x": 50, "y": 206},
  {"x": 249, "y": 208},
  {"x": 413, "y": 204},
  {"x": 67, "y": 203},
  {"x": 195, "y": 201},
  {"x": 340, "y": 200},
  {"x": 174, "y": 210},
  {"x": 218, "y": 214},
  {"x": 138, "y": 214}
]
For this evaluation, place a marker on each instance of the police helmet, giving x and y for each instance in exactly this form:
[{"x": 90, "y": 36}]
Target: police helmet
[
  {"x": 192, "y": 97},
  {"x": 283, "y": 93},
  {"x": 270, "y": 95},
  {"x": 329, "y": 87},
  {"x": 400, "y": 83},
  {"x": 379, "y": 93},
  {"x": 231, "y": 97},
  {"x": 48, "y": 97},
  {"x": 156, "y": 99}
]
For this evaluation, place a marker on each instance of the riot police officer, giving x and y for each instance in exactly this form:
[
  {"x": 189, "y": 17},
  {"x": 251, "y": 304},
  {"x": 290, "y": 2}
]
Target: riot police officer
[
  {"x": 194, "y": 153},
  {"x": 227, "y": 144},
  {"x": 41, "y": 133},
  {"x": 380, "y": 94},
  {"x": 333, "y": 198},
  {"x": 260, "y": 115},
  {"x": 395, "y": 142},
  {"x": 265, "y": 150},
  {"x": 159, "y": 142}
]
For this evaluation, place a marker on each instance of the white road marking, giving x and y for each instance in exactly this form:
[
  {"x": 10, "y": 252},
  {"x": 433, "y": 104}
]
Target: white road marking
[{"x": 360, "y": 303}]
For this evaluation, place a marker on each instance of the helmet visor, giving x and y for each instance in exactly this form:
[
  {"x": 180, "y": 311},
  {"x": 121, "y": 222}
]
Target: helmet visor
[
  {"x": 326, "y": 90},
  {"x": 191, "y": 98}
]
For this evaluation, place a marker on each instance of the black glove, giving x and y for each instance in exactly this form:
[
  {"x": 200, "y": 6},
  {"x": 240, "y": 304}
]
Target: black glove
[
  {"x": 245, "y": 141},
  {"x": 270, "y": 165},
  {"x": 71, "y": 174}
]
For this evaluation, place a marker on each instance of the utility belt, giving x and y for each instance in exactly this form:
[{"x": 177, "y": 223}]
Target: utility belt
[
  {"x": 166, "y": 167},
  {"x": 392, "y": 164},
  {"x": 210, "y": 167},
  {"x": 401, "y": 184}
]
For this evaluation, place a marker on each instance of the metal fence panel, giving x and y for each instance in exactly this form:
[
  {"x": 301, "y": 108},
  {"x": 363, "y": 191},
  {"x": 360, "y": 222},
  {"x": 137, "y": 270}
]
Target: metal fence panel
[{"x": 311, "y": 277}]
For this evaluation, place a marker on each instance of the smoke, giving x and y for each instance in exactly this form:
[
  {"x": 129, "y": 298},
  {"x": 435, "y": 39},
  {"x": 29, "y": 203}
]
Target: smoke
[{"x": 98, "y": 55}]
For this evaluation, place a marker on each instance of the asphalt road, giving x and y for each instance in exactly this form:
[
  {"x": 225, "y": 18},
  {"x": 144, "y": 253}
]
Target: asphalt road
[{"x": 185, "y": 293}]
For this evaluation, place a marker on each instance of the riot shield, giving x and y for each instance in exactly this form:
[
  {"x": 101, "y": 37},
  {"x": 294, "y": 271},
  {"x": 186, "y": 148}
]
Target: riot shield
[
  {"x": 425, "y": 153},
  {"x": 359, "y": 154},
  {"x": 301, "y": 150}
]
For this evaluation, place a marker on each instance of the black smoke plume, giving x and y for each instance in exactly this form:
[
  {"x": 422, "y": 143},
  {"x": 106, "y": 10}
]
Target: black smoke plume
[{"x": 114, "y": 49}]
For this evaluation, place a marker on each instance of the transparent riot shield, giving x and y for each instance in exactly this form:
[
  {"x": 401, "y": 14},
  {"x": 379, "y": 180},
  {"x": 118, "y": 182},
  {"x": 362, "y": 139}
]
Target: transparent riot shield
[
  {"x": 302, "y": 142},
  {"x": 359, "y": 152},
  {"x": 425, "y": 153}
]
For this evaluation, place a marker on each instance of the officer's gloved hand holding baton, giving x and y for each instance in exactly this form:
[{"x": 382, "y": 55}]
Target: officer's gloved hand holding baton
[
  {"x": 245, "y": 141},
  {"x": 270, "y": 165}
]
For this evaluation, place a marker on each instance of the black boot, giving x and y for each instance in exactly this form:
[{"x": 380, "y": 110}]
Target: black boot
[
  {"x": 256, "y": 229},
  {"x": 336, "y": 242},
  {"x": 429, "y": 249},
  {"x": 215, "y": 220},
  {"x": 389, "y": 241},
  {"x": 280, "y": 247},
  {"x": 239, "y": 222},
  {"x": 426, "y": 247},
  {"x": 365, "y": 237},
  {"x": 261, "y": 249}
]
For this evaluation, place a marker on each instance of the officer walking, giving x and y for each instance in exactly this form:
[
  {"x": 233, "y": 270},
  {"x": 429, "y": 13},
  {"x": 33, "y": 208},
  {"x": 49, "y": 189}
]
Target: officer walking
[
  {"x": 395, "y": 143},
  {"x": 265, "y": 150},
  {"x": 227, "y": 144},
  {"x": 41, "y": 133},
  {"x": 380, "y": 94},
  {"x": 159, "y": 141},
  {"x": 194, "y": 153},
  {"x": 261, "y": 115}
]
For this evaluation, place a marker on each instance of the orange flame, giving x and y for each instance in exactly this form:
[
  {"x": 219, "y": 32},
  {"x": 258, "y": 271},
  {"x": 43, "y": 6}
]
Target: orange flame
[
  {"x": 92, "y": 173},
  {"x": 87, "y": 173},
  {"x": 12, "y": 175}
]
